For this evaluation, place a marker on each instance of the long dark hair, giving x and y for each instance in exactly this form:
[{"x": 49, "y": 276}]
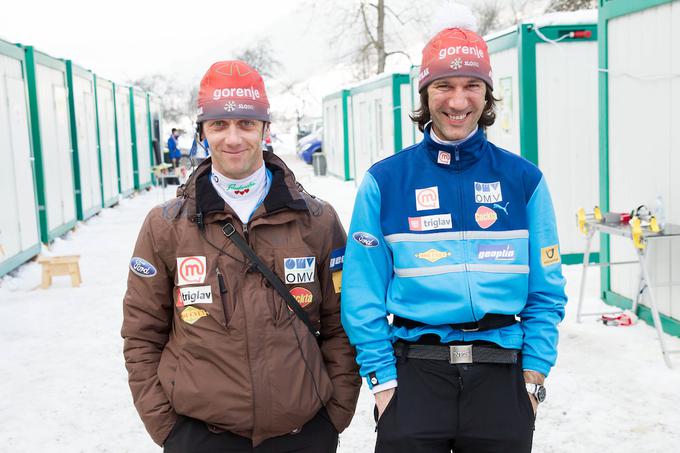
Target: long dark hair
[{"x": 422, "y": 115}]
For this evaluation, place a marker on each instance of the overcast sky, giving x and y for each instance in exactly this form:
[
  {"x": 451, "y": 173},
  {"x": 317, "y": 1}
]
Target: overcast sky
[{"x": 127, "y": 39}]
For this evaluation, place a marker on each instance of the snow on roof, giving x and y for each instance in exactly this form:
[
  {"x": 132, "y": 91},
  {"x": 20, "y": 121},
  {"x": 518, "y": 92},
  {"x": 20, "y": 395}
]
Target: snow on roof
[{"x": 582, "y": 17}]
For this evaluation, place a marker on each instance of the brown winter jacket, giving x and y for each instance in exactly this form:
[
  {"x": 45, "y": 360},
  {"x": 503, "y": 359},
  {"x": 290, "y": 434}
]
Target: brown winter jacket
[{"x": 222, "y": 346}]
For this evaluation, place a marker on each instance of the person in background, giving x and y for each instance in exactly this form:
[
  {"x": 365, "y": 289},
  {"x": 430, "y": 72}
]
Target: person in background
[{"x": 173, "y": 147}]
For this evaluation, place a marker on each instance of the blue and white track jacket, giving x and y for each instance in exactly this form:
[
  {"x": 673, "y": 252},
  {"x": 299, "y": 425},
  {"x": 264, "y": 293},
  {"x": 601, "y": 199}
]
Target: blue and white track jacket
[{"x": 444, "y": 234}]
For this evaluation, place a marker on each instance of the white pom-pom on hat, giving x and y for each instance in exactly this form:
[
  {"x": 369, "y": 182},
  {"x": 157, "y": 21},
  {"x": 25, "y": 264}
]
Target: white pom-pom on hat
[{"x": 453, "y": 15}]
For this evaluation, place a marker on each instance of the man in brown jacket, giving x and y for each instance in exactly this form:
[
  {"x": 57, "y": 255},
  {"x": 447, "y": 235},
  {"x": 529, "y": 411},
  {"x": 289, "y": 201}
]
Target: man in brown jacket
[{"x": 217, "y": 360}]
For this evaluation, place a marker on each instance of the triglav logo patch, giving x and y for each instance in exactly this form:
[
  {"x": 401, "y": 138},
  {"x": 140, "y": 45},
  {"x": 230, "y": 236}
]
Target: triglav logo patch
[{"x": 430, "y": 222}]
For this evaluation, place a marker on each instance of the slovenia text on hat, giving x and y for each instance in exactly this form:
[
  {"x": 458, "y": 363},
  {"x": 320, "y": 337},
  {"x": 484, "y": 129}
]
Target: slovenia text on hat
[
  {"x": 455, "y": 51},
  {"x": 232, "y": 89}
]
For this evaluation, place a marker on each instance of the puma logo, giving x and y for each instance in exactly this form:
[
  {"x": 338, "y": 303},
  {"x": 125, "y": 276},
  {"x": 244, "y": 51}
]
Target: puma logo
[{"x": 502, "y": 208}]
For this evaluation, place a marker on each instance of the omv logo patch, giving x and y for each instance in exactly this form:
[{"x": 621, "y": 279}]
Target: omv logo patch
[
  {"x": 142, "y": 267},
  {"x": 365, "y": 239}
]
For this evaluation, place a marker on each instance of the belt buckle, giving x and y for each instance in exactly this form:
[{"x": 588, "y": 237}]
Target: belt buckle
[{"x": 460, "y": 353}]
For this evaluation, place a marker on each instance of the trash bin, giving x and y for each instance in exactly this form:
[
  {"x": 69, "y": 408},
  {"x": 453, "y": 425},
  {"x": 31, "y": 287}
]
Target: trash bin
[{"x": 319, "y": 164}]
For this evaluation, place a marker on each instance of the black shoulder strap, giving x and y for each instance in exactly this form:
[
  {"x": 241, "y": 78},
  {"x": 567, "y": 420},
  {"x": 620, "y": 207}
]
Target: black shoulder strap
[{"x": 230, "y": 232}]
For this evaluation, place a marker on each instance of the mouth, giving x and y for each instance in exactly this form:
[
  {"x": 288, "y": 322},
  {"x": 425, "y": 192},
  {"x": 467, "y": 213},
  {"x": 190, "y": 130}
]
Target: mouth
[{"x": 456, "y": 118}]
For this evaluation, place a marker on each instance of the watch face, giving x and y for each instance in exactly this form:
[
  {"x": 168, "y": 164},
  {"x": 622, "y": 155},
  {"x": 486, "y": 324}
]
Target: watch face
[{"x": 540, "y": 394}]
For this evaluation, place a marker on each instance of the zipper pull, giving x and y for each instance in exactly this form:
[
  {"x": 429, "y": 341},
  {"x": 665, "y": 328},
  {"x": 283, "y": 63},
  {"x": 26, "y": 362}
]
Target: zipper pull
[
  {"x": 245, "y": 231},
  {"x": 457, "y": 154},
  {"x": 220, "y": 280}
]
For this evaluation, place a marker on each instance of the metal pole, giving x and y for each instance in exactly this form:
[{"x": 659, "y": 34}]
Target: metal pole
[
  {"x": 584, "y": 273},
  {"x": 655, "y": 312}
]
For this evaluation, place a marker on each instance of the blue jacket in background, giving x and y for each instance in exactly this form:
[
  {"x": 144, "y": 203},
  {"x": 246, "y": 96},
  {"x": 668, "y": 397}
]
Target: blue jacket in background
[
  {"x": 445, "y": 234},
  {"x": 173, "y": 149}
]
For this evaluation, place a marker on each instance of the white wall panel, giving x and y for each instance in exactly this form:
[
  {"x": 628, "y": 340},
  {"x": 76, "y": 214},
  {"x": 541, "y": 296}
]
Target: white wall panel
[
  {"x": 406, "y": 123},
  {"x": 643, "y": 113},
  {"x": 568, "y": 152},
  {"x": 56, "y": 146},
  {"x": 505, "y": 131},
  {"x": 86, "y": 128},
  {"x": 142, "y": 131},
  {"x": 124, "y": 139},
  {"x": 18, "y": 225},
  {"x": 107, "y": 139},
  {"x": 333, "y": 142}
]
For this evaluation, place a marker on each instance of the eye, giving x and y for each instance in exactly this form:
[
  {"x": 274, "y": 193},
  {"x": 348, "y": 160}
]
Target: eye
[
  {"x": 216, "y": 124},
  {"x": 247, "y": 123}
]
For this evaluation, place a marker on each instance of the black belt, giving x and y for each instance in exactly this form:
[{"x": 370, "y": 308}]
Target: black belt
[
  {"x": 456, "y": 354},
  {"x": 488, "y": 322}
]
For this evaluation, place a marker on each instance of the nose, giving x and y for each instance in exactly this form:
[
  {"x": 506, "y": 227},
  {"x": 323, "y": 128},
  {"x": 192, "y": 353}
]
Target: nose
[
  {"x": 232, "y": 137},
  {"x": 458, "y": 100}
]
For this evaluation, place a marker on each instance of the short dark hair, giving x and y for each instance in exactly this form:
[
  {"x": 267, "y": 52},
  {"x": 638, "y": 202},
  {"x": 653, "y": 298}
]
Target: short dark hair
[
  {"x": 173, "y": 130},
  {"x": 422, "y": 115}
]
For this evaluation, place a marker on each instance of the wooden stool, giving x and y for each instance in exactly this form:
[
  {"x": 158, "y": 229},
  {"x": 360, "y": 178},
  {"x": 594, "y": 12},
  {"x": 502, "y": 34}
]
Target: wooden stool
[{"x": 60, "y": 265}]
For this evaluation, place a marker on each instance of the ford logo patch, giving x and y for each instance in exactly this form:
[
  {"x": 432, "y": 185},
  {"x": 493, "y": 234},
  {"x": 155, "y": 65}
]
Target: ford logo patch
[
  {"x": 365, "y": 239},
  {"x": 142, "y": 267}
]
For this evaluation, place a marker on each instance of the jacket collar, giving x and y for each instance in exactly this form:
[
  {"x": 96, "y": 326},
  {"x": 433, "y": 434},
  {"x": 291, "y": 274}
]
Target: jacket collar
[
  {"x": 283, "y": 192},
  {"x": 462, "y": 156}
]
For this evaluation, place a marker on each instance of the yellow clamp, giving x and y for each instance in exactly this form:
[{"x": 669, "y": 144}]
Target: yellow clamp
[
  {"x": 597, "y": 213},
  {"x": 581, "y": 216},
  {"x": 638, "y": 240},
  {"x": 654, "y": 225}
]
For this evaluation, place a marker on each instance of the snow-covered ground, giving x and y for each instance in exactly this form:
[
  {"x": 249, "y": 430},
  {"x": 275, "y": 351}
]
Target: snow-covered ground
[{"x": 66, "y": 387}]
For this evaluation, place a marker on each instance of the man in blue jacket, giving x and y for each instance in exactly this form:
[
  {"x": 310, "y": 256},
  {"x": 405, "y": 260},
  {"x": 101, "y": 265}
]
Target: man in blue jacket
[
  {"x": 455, "y": 238},
  {"x": 173, "y": 147}
]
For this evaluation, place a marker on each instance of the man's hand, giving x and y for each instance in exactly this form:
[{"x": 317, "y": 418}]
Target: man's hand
[
  {"x": 382, "y": 399},
  {"x": 533, "y": 377}
]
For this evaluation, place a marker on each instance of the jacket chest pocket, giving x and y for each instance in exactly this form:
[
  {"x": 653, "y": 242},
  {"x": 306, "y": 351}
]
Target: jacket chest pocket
[{"x": 298, "y": 270}]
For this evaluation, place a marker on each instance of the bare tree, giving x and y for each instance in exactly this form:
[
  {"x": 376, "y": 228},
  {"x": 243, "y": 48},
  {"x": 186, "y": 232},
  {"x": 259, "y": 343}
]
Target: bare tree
[
  {"x": 570, "y": 5},
  {"x": 260, "y": 56},
  {"x": 488, "y": 14},
  {"x": 175, "y": 97}
]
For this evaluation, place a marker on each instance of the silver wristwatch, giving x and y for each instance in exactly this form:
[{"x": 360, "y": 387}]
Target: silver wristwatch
[{"x": 537, "y": 390}]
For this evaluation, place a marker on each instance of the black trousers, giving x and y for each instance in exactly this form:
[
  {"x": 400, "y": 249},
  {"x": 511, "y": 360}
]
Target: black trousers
[
  {"x": 193, "y": 436},
  {"x": 473, "y": 408}
]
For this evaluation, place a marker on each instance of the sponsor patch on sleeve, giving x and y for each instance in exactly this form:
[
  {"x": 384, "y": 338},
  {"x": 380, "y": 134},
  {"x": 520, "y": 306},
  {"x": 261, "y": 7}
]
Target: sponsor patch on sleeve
[
  {"x": 337, "y": 259},
  {"x": 142, "y": 267},
  {"x": 337, "y": 282},
  {"x": 303, "y": 296},
  {"x": 550, "y": 255},
  {"x": 365, "y": 239}
]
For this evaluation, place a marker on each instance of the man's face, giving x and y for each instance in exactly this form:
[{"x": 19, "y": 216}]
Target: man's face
[
  {"x": 235, "y": 146},
  {"x": 456, "y": 104}
]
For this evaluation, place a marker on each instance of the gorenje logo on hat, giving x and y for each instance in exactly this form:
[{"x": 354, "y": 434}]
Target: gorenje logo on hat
[{"x": 252, "y": 93}]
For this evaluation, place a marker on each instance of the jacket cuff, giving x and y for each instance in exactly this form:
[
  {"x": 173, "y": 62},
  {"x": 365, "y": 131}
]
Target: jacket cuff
[
  {"x": 535, "y": 364},
  {"x": 381, "y": 376}
]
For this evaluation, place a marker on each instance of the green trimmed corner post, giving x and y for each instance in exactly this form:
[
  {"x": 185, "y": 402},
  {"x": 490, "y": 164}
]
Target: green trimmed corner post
[
  {"x": 37, "y": 142},
  {"x": 75, "y": 159},
  {"x": 152, "y": 158},
  {"x": 115, "y": 125},
  {"x": 603, "y": 115},
  {"x": 528, "y": 104},
  {"x": 345, "y": 133},
  {"x": 133, "y": 137},
  {"x": 397, "y": 81},
  {"x": 99, "y": 142}
]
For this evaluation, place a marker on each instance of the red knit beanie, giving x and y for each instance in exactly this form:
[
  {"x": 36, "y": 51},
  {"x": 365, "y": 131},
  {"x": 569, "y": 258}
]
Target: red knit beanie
[
  {"x": 455, "y": 51},
  {"x": 232, "y": 89}
]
